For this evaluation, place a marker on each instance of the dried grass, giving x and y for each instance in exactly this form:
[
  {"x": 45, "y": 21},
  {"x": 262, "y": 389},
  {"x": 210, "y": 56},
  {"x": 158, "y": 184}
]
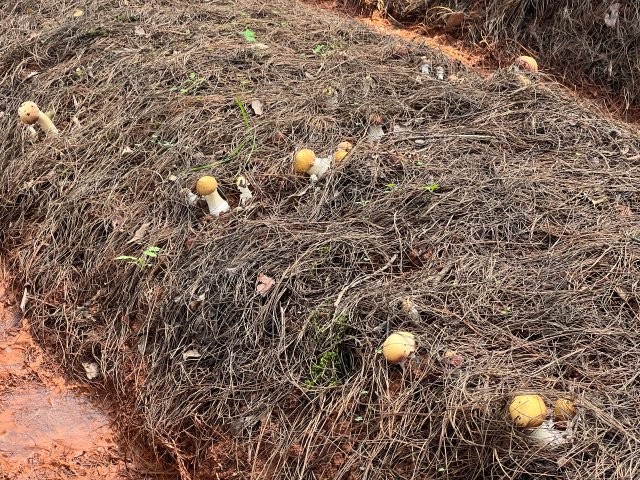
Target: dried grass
[
  {"x": 525, "y": 259},
  {"x": 569, "y": 37}
]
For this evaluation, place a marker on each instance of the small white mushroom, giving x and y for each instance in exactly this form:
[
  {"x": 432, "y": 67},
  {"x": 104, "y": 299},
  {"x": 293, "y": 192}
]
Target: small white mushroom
[
  {"x": 243, "y": 186},
  {"x": 440, "y": 73},
  {"x": 207, "y": 187}
]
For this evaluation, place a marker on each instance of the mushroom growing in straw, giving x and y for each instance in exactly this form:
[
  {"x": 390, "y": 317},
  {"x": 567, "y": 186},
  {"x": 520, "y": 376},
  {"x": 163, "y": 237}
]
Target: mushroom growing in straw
[
  {"x": 399, "y": 347},
  {"x": 527, "y": 64},
  {"x": 527, "y": 411},
  {"x": 29, "y": 114},
  {"x": 305, "y": 161},
  {"x": 207, "y": 187}
]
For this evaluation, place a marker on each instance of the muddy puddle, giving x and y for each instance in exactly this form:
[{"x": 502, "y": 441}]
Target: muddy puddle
[{"x": 48, "y": 430}]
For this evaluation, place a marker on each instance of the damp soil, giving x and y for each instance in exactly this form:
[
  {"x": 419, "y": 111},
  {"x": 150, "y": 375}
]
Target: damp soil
[{"x": 49, "y": 428}]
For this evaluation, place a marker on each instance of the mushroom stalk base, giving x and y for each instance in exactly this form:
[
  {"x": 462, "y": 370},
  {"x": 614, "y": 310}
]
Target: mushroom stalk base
[
  {"x": 319, "y": 168},
  {"x": 216, "y": 203}
]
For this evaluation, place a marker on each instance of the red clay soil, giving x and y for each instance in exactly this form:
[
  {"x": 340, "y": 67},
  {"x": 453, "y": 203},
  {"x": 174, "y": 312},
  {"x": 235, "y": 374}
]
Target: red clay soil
[{"x": 48, "y": 430}]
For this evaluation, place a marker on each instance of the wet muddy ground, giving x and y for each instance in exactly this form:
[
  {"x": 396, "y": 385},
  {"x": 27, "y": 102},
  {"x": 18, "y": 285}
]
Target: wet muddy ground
[{"x": 48, "y": 429}]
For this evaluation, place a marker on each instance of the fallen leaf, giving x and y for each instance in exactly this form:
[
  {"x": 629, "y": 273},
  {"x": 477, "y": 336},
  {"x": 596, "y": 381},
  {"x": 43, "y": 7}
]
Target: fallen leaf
[
  {"x": 138, "y": 30},
  {"x": 453, "y": 358},
  {"x": 139, "y": 234},
  {"x": 454, "y": 20},
  {"x": 78, "y": 12},
  {"x": 611, "y": 17},
  {"x": 264, "y": 284},
  {"x": 91, "y": 370},
  {"x": 257, "y": 107},
  {"x": 190, "y": 354},
  {"x": 375, "y": 133}
]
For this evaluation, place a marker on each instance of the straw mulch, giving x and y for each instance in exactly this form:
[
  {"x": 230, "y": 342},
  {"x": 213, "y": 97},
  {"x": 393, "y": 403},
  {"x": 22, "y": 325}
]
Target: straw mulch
[
  {"x": 585, "y": 43},
  {"x": 504, "y": 210}
]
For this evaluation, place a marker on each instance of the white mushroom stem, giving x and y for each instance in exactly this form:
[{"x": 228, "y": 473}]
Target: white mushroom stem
[
  {"x": 547, "y": 436},
  {"x": 245, "y": 193},
  {"x": 319, "y": 168},
  {"x": 47, "y": 125},
  {"x": 216, "y": 203}
]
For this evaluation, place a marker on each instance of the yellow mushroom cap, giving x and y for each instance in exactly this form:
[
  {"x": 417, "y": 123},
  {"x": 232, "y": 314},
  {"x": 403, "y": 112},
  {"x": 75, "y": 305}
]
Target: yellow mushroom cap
[
  {"x": 304, "y": 160},
  {"x": 339, "y": 155},
  {"x": 528, "y": 411},
  {"x": 206, "y": 186},
  {"x": 345, "y": 146},
  {"x": 564, "y": 410},
  {"x": 399, "y": 346},
  {"x": 527, "y": 63},
  {"x": 28, "y": 113}
]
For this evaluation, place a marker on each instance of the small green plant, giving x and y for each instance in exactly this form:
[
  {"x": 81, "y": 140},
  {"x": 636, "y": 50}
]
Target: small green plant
[
  {"x": 325, "y": 370},
  {"x": 324, "y": 50},
  {"x": 191, "y": 84},
  {"x": 143, "y": 260},
  {"x": 249, "y": 35},
  {"x": 432, "y": 187},
  {"x": 391, "y": 186}
]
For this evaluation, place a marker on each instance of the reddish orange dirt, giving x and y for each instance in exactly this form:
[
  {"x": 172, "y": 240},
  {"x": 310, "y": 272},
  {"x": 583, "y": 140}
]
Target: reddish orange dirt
[{"x": 48, "y": 430}]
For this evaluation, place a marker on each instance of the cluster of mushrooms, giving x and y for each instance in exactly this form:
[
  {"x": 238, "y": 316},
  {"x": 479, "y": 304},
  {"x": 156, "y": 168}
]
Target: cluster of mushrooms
[
  {"x": 527, "y": 412},
  {"x": 304, "y": 161}
]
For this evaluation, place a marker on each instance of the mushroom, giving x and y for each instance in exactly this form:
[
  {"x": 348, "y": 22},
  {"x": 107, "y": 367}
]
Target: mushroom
[
  {"x": 399, "y": 347},
  {"x": 305, "y": 161},
  {"x": 243, "y": 186},
  {"x": 563, "y": 410},
  {"x": 346, "y": 146},
  {"x": 527, "y": 411},
  {"x": 527, "y": 64},
  {"x": 29, "y": 114},
  {"x": 340, "y": 155},
  {"x": 207, "y": 187}
]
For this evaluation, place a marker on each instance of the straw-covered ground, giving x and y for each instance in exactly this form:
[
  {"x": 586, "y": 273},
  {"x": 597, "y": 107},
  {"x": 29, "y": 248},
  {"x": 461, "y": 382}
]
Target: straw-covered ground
[
  {"x": 506, "y": 212},
  {"x": 586, "y": 42}
]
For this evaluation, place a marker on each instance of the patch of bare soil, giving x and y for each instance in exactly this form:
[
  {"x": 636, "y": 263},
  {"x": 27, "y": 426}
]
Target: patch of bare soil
[{"x": 48, "y": 430}]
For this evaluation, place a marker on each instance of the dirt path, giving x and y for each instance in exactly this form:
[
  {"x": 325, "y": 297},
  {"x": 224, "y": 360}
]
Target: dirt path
[{"x": 48, "y": 430}]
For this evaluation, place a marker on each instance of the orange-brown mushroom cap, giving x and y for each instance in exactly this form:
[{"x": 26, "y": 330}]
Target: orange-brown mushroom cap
[
  {"x": 28, "y": 113},
  {"x": 399, "y": 346},
  {"x": 346, "y": 146},
  {"x": 304, "y": 160},
  {"x": 528, "y": 411},
  {"x": 206, "y": 186},
  {"x": 527, "y": 63},
  {"x": 339, "y": 155}
]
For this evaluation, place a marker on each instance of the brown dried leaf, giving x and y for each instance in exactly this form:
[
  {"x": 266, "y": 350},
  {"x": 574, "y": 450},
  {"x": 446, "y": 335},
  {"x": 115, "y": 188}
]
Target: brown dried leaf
[
  {"x": 453, "y": 358},
  {"x": 264, "y": 284},
  {"x": 138, "y": 30},
  {"x": 140, "y": 233},
  {"x": 454, "y": 20},
  {"x": 257, "y": 107}
]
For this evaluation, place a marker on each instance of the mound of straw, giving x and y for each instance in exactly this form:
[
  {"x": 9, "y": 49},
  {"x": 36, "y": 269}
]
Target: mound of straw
[
  {"x": 586, "y": 43},
  {"x": 506, "y": 211}
]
